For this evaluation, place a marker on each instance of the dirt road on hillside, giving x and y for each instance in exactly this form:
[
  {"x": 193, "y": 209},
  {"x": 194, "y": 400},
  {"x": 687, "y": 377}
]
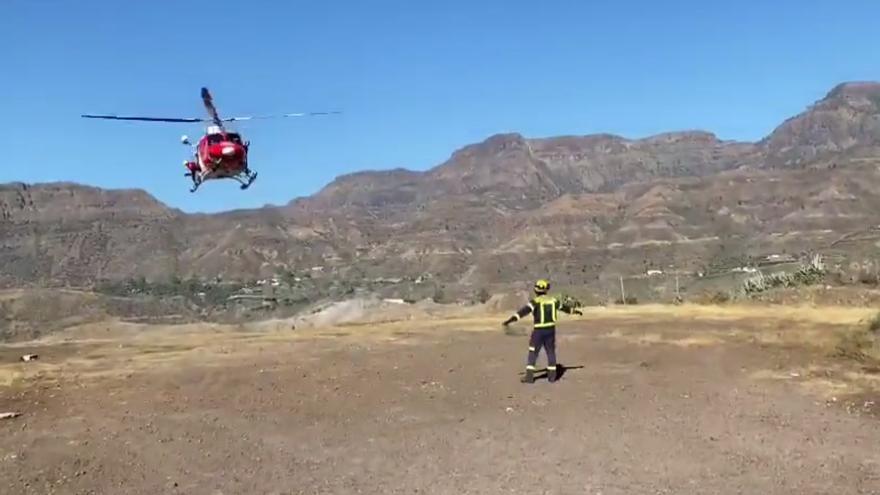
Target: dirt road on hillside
[{"x": 646, "y": 406}]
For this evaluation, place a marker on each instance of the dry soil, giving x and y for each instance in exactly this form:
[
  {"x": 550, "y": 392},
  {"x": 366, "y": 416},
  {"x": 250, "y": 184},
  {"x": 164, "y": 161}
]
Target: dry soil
[{"x": 653, "y": 401}]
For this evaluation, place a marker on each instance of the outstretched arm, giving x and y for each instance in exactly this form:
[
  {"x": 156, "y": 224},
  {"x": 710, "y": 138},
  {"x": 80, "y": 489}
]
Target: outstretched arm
[{"x": 523, "y": 311}]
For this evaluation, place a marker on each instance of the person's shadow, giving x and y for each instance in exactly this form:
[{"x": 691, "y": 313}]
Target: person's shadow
[{"x": 561, "y": 369}]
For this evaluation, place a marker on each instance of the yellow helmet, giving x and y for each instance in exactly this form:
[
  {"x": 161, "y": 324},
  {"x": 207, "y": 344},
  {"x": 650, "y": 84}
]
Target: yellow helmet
[{"x": 542, "y": 286}]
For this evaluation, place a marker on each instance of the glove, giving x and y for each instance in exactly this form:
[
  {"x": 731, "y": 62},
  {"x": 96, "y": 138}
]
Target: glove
[
  {"x": 509, "y": 321},
  {"x": 577, "y": 312}
]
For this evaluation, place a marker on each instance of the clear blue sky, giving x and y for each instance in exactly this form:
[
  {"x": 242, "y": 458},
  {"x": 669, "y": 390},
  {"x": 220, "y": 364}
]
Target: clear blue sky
[{"x": 416, "y": 80}]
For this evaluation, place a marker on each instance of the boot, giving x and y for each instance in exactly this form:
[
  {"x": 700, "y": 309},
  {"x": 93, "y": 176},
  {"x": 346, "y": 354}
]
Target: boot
[
  {"x": 529, "y": 378},
  {"x": 551, "y": 375}
]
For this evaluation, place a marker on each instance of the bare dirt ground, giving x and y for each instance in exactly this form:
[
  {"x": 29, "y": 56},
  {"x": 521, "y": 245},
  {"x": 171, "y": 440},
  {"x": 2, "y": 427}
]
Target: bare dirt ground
[{"x": 654, "y": 400}]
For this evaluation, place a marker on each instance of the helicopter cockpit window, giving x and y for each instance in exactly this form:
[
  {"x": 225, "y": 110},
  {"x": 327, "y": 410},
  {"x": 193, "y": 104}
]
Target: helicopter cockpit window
[
  {"x": 215, "y": 138},
  {"x": 233, "y": 138}
]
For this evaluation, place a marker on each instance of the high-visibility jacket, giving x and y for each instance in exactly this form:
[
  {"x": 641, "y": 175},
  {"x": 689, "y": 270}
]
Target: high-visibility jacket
[{"x": 544, "y": 310}]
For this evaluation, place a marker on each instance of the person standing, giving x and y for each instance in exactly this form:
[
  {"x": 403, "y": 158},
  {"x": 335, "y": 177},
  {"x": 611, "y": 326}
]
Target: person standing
[{"x": 544, "y": 309}]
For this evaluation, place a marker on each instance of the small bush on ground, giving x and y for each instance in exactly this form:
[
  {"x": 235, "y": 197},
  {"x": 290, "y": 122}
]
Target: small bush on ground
[
  {"x": 868, "y": 278},
  {"x": 874, "y": 325},
  {"x": 483, "y": 296},
  {"x": 569, "y": 302},
  {"x": 720, "y": 297},
  {"x": 861, "y": 344},
  {"x": 439, "y": 296}
]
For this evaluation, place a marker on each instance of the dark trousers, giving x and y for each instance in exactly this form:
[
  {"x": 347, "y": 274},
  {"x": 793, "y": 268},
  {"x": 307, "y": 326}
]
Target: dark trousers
[{"x": 542, "y": 338}]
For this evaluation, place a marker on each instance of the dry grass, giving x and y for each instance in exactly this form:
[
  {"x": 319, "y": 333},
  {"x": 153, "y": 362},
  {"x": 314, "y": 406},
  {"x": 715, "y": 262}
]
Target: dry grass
[
  {"x": 9, "y": 377},
  {"x": 654, "y": 338},
  {"x": 843, "y": 343},
  {"x": 821, "y": 329},
  {"x": 847, "y": 332},
  {"x": 834, "y": 315},
  {"x": 115, "y": 348},
  {"x": 119, "y": 349},
  {"x": 861, "y": 343}
]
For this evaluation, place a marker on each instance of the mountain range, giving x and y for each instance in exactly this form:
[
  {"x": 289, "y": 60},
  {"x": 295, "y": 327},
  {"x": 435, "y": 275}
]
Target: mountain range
[{"x": 581, "y": 210}]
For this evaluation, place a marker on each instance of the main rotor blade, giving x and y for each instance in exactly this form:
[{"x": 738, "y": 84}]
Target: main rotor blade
[
  {"x": 147, "y": 119},
  {"x": 279, "y": 116},
  {"x": 208, "y": 100}
]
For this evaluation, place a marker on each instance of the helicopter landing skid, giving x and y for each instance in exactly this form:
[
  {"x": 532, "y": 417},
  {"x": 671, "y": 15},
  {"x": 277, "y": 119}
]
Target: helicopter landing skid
[
  {"x": 250, "y": 177},
  {"x": 245, "y": 181}
]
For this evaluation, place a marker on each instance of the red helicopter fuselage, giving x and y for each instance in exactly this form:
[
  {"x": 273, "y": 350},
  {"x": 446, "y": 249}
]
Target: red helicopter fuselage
[{"x": 223, "y": 153}]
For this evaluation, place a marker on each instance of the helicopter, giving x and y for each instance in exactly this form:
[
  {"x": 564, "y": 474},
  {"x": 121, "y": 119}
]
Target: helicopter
[{"x": 220, "y": 153}]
